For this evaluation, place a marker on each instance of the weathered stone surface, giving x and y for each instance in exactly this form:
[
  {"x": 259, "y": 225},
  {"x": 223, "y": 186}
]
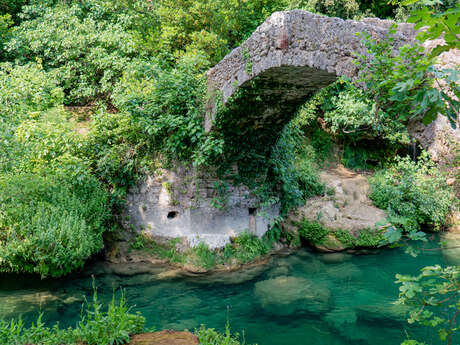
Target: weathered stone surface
[
  {"x": 165, "y": 338},
  {"x": 347, "y": 208},
  {"x": 181, "y": 203},
  {"x": 295, "y": 53}
]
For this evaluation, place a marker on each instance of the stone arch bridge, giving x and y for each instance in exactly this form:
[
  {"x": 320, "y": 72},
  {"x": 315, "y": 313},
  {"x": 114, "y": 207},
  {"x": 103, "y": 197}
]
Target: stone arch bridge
[{"x": 291, "y": 55}]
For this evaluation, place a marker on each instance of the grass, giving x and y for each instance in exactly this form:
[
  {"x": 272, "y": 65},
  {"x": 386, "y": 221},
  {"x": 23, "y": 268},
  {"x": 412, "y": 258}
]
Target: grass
[{"x": 209, "y": 336}]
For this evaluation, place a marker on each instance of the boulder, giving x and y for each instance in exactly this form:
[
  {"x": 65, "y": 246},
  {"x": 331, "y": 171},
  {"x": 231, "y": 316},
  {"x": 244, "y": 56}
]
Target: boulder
[
  {"x": 451, "y": 248},
  {"x": 341, "y": 317},
  {"x": 345, "y": 207}
]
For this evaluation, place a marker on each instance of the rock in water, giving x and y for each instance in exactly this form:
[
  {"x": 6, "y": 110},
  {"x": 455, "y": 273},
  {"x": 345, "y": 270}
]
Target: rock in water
[
  {"x": 289, "y": 295},
  {"x": 165, "y": 338},
  {"x": 451, "y": 248}
]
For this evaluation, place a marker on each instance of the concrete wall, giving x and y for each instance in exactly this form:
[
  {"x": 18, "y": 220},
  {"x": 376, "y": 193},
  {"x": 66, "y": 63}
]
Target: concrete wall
[{"x": 182, "y": 203}]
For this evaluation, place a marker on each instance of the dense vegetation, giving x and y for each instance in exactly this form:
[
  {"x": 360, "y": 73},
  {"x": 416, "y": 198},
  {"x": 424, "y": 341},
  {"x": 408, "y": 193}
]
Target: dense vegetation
[
  {"x": 414, "y": 194},
  {"x": 137, "y": 67},
  {"x": 114, "y": 89}
]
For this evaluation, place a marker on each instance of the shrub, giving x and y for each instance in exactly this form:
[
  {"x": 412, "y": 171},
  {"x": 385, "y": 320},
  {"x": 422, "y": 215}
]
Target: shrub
[
  {"x": 313, "y": 232},
  {"x": 166, "y": 105},
  {"x": 51, "y": 223},
  {"x": 332, "y": 8},
  {"x": 87, "y": 53},
  {"x": 247, "y": 247},
  {"x": 413, "y": 193},
  {"x": 295, "y": 168},
  {"x": 201, "y": 256},
  {"x": 366, "y": 238},
  {"x": 26, "y": 89}
]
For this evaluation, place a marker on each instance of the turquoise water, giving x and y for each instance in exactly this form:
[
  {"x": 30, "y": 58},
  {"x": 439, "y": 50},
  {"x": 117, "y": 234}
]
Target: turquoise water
[{"x": 303, "y": 298}]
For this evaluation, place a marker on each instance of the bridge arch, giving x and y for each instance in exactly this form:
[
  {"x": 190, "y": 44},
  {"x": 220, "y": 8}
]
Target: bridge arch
[{"x": 289, "y": 57}]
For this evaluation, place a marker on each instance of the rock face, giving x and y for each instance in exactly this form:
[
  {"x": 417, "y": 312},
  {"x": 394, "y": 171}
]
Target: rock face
[
  {"x": 195, "y": 207},
  {"x": 345, "y": 207},
  {"x": 294, "y": 53},
  {"x": 165, "y": 338}
]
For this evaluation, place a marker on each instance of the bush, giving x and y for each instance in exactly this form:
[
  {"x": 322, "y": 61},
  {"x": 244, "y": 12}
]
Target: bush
[
  {"x": 332, "y": 8},
  {"x": 26, "y": 89},
  {"x": 366, "y": 238},
  {"x": 88, "y": 53},
  {"x": 248, "y": 247},
  {"x": 51, "y": 223},
  {"x": 413, "y": 193},
  {"x": 312, "y": 232},
  {"x": 201, "y": 256},
  {"x": 52, "y": 211},
  {"x": 166, "y": 104}
]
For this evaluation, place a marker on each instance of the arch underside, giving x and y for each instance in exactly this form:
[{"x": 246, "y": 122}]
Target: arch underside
[{"x": 276, "y": 94}]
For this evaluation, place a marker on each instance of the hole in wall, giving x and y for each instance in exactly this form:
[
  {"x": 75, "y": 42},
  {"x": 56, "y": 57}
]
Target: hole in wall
[
  {"x": 252, "y": 211},
  {"x": 172, "y": 214}
]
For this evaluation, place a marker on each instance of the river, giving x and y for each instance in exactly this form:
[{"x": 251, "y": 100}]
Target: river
[{"x": 303, "y": 298}]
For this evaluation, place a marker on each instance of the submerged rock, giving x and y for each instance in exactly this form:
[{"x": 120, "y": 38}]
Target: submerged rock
[
  {"x": 334, "y": 258},
  {"x": 237, "y": 276},
  {"x": 343, "y": 272},
  {"x": 289, "y": 295},
  {"x": 340, "y": 317},
  {"x": 165, "y": 338},
  {"x": 451, "y": 248},
  {"x": 279, "y": 271}
]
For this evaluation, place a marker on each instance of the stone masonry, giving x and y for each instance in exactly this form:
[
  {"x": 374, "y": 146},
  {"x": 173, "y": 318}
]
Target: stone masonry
[{"x": 296, "y": 53}]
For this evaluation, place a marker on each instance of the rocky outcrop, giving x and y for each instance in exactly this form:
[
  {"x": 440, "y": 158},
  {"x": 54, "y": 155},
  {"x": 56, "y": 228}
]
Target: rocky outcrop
[
  {"x": 439, "y": 138},
  {"x": 345, "y": 208},
  {"x": 195, "y": 207},
  {"x": 165, "y": 338}
]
